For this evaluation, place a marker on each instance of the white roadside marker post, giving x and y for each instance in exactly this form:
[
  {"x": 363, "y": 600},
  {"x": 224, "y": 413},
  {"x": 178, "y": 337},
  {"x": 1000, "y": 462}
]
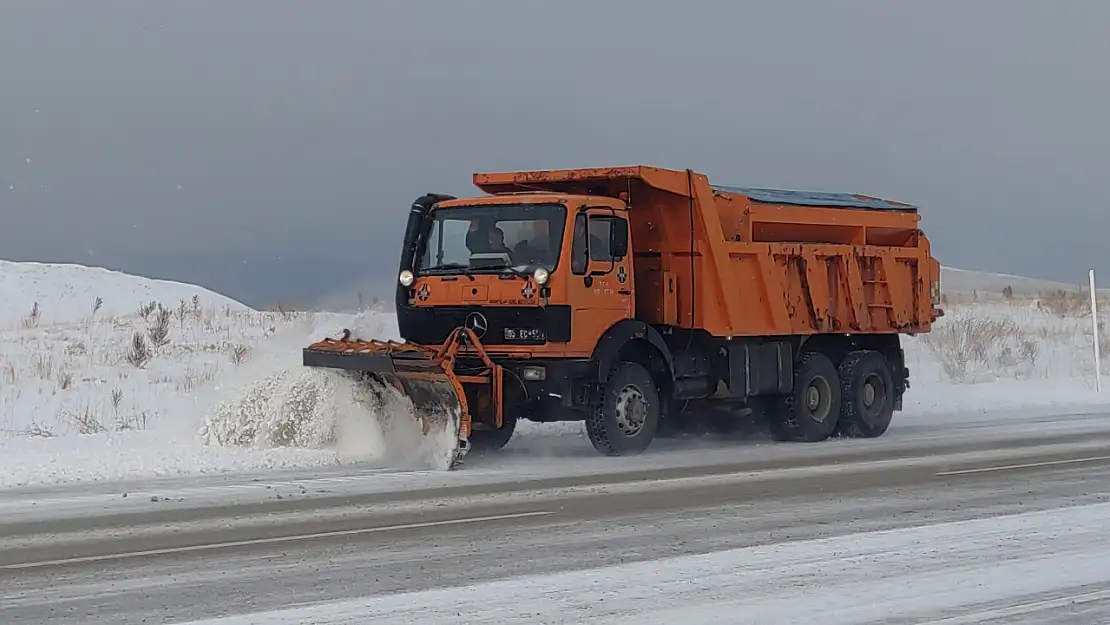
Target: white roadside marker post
[{"x": 1094, "y": 323}]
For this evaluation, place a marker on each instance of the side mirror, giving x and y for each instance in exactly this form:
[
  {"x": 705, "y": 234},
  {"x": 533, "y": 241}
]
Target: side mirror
[{"x": 618, "y": 238}]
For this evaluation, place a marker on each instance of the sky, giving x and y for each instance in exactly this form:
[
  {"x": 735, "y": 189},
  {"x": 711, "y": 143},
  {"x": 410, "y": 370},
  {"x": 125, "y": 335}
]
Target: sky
[{"x": 269, "y": 149}]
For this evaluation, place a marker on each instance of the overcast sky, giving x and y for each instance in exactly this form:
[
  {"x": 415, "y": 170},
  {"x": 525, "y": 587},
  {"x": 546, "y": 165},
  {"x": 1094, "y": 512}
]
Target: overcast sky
[{"x": 269, "y": 149}]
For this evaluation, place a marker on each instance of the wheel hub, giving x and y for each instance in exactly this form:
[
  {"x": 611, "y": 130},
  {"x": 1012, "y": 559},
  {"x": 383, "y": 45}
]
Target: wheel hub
[
  {"x": 631, "y": 411},
  {"x": 813, "y": 398},
  {"x": 818, "y": 399},
  {"x": 874, "y": 395}
]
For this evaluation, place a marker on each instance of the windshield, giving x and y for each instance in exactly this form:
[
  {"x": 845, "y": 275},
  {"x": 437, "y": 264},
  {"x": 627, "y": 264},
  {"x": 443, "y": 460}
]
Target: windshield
[{"x": 493, "y": 238}]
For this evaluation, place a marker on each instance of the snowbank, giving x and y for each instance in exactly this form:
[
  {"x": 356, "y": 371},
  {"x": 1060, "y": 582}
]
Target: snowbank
[
  {"x": 68, "y": 293},
  {"x": 202, "y": 384}
]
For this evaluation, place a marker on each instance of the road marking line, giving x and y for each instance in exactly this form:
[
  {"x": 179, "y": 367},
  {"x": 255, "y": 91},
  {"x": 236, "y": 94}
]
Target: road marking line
[
  {"x": 1023, "y": 608},
  {"x": 1008, "y": 467},
  {"x": 276, "y": 539}
]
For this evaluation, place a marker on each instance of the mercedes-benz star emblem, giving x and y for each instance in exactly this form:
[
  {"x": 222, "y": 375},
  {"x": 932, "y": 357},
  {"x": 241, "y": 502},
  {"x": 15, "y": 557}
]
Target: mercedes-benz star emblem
[{"x": 476, "y": 321}]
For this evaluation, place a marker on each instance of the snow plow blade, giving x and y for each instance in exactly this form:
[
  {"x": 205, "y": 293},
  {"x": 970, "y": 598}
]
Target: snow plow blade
[{"x": 441, "y": 398}]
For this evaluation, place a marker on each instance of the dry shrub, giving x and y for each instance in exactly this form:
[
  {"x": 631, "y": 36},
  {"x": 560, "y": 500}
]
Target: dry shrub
[
  {"x": 44, "y": 366},
  {"x": 77, "y": 349},
  {"x": 32, "y": 319},
  {"x": 35, "y": 430},
  {"x": 182, "y": 312},
  {"x": 1103, "y": 343},
  {"x": 86, "y": 422},
  {"x": 967, "y": 341},
  {"x": 159, "y": 331},
  {"x": 1029, "y": 350},
  {"x": 138, "y": 355},
  {"x": 239, "y": 354},
  {"x": 1065, "y": 303},
  {"x": 132, "y": 422},
  {"x": 146, "y": 310},
  {"x": 193, "y": 380},
  {"x": 285, "y": 310},
  {"x": 117, "y": 399},
  {"x": 9, "y": 374}
]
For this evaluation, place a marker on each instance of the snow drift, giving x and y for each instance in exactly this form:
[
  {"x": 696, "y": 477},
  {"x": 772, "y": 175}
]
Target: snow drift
[
  {"x": 277, "y": 402},
  {"x": 320, "y": 409},
  {"x": 68, "y": 293}
]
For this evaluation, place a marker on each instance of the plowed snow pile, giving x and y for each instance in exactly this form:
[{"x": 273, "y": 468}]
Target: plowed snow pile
[{"x": 280, "y": 403}]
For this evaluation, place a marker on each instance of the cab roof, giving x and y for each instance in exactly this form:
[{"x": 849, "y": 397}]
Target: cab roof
[{"x": 529, "y": 197}]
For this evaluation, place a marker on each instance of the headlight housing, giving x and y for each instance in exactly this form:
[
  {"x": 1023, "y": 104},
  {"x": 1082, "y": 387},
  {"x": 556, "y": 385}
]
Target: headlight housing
[
  {"x": 541, "y": 275},
  {"x": 406, "y": 278}
]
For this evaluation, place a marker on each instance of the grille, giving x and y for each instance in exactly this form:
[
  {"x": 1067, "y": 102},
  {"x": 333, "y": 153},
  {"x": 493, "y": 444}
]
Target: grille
[{"x": 432, "y": 325}]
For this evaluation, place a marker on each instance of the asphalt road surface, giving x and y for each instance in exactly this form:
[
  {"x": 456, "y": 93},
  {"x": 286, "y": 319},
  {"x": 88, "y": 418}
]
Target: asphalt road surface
[{"x": 994, "y": 521}]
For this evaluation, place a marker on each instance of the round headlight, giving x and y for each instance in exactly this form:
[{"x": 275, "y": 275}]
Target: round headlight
[
  {"x": 406, "y": 278},
  {"x": 541, "y": 276}
]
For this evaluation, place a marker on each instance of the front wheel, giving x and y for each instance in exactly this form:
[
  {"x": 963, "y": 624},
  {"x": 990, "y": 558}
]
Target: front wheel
[{"x": 625, "y": 420}]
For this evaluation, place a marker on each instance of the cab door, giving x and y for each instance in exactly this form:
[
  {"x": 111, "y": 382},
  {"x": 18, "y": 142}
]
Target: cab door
[{"x": 601, "y": 286}]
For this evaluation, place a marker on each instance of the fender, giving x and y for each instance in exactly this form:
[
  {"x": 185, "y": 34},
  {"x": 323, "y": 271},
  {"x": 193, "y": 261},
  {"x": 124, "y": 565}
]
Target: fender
[{"x": 617, "y": 336}]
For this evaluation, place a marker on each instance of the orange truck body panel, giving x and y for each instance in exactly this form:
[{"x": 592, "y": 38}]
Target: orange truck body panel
[{"x": 752, "y": 267}]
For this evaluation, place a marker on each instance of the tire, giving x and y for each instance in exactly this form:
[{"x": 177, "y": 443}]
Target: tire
[
  {"x": 811, "y": 413},
  {"x": 489, "y": 440},
  {"x": 867, "y": 386},
  {"x": 629, "y": 387}
]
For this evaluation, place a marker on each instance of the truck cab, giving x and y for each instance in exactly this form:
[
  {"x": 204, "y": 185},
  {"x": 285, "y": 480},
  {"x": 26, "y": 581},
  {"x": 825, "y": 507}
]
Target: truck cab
[
  {"x": 521, "y": 270},
  {"x": 539, "y": 278}
]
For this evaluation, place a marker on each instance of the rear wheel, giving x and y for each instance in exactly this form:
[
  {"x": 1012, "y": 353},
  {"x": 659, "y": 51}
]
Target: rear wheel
[
  {"x": 811, "y": 412},
  {"x": 867, "y": 385},
  {"x": 626, "y": 417}
]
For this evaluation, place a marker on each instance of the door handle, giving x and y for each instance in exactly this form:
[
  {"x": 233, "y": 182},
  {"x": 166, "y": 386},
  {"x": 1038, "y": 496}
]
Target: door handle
[{"x": 624, "y": 292}]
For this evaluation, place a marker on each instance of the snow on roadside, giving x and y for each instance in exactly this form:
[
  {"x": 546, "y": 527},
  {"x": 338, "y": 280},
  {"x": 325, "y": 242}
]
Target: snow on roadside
[
  {"x": 193, "y": 399},
  {"x": 971, "y": 569},
  {"x": 221, "y": 388},
  {"x": 67, "y": 293}
]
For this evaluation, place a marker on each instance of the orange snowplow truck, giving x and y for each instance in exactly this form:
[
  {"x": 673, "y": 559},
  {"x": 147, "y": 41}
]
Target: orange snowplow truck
[{"x": 636, "y": 298}]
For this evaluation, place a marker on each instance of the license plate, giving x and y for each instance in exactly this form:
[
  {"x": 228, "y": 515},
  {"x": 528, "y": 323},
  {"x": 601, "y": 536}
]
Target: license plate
[{"x": 524, "y": 334}]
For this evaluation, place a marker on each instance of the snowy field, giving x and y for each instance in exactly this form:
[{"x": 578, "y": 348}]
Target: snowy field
[{"x": 107, "y": 376}]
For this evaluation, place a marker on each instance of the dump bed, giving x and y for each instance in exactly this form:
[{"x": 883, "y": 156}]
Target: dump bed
[{"x": 739, "y": 261}]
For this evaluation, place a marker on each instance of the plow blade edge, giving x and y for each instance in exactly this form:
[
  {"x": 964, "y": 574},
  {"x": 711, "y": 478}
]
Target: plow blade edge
[{"x": 424, "y": 375}]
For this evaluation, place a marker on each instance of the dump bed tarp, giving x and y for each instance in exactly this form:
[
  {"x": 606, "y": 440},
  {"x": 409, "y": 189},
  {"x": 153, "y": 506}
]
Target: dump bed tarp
[{"x": 813, "y": 198}]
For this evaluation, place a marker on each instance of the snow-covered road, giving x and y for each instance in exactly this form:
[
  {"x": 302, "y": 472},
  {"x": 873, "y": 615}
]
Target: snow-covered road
[
  {"x": 1036, "y": 567},
  {"x": 554, "y": 457},
  {"x": 994, "y": 519}
]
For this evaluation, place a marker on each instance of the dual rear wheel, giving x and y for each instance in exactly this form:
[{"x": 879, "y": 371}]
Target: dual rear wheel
[{"x": 855, "y": 399}]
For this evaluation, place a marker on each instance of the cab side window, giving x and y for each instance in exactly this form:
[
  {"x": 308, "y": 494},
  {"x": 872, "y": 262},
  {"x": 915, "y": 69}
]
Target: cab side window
[
  {"x": 579, "y": 258},
  {"x": 593, "y": 242},
  {"x": 599, "y": 239}
]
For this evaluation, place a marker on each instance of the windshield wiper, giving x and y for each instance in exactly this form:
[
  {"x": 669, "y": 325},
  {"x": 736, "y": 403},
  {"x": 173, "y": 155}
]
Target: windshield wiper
[
  {"x": 446, "y": 267},
  {"x": 451, "y": 267}
]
